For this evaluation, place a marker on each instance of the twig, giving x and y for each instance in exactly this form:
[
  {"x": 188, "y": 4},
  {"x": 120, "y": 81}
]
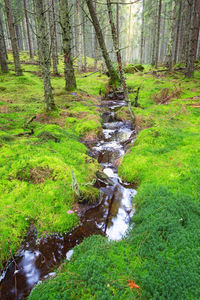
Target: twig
[{"x": 90, "y": 74}]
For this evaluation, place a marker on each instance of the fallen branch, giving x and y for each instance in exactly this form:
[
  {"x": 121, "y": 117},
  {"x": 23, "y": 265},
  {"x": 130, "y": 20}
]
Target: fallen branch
[
  {"x": 90, "y": 74},
  {"x": 25, "y": 133},
  {"x": 137, "y": 96},
  {"x": 31, "y": 120}
]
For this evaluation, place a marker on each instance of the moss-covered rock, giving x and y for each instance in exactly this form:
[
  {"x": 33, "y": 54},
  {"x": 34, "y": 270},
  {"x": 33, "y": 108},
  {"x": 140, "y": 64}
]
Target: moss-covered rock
[{"x": 131, "y": 69}]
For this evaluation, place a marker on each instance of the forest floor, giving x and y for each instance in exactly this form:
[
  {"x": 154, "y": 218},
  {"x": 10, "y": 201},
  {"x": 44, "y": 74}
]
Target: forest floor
[
  {"x": 159, "y": 257},
  {"x": 40, "y": 153}
]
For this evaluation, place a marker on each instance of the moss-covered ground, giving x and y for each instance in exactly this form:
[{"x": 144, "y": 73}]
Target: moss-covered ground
[
  {"x": 44, "y": 166},
  {"x": 161, "y": 252}
]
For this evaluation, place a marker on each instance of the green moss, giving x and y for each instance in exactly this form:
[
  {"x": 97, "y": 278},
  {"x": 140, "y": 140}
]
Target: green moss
[
  {"x": 37, "y": 159},
  {"x": 161, "y": 252},
  {"x": 131, "y": 69}
]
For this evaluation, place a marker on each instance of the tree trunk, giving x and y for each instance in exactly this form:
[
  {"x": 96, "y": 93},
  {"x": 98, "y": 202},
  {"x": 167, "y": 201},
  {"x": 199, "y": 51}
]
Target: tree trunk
[
  {"x": 114, "y": 78},
  {"x": 95, "y": 43},
  {"x": 18, "y": 32},
  {"x": 177, "y": 31},
  {"x": 198, "y": 48},
  {"x": 142, "y": 35},
  {"x": 163, "y": 35},
  {"x": 193, "y": 38},
  {"x": 170, "y": 43},
  {"x": 84, "y": 42},
  {"x": 70, "y": 81},
  {"x": 55, "y": 32},
  {"x": 15, "y": 50},
  {"x": 24, "y": 33},
  {"x": 53, "y": 37},
  {"x": 44, "y": 53},
  {"x": 79, "y": 36},
  {"x": 117, "y": 21},
  {"x": 28, "y": 31},
  {"x": 119, "y": 59},
  {"x": 153, "y": 58},
  {"x": 158, "y": 32},
  {"x": 3, "y": 54}
]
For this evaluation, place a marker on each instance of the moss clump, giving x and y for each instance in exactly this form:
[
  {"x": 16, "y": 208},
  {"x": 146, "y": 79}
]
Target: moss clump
[
  {"x": 131, "y": 69},
  {"x": 123, "y": 114},
  {"x": 46, "y": 136}
]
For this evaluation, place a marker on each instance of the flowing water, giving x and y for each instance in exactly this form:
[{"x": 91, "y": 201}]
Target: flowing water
[{"x": 38, "y": 257}]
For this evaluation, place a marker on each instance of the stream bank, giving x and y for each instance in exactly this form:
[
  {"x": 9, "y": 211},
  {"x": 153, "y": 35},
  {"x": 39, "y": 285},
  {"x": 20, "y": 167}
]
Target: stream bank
[{"x": 37, "y": 257}]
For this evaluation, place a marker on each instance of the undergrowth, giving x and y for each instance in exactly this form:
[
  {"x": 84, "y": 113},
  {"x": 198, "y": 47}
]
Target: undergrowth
[
  {"x": 38, "y": 157},
  {"x": 161, "y": 251}
]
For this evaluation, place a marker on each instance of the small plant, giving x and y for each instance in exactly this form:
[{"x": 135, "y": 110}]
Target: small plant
[{"x": 165, "y": 95}]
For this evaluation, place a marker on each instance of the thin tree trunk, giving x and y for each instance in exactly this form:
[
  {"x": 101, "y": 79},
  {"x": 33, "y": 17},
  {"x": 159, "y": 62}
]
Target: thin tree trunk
[
  {"x": 55, "y": 31},
  {"x": 3, "y": 54},
  {"x": 18, "y": 32},
  {"x": 15, "y": 50},
  {"x": 84, "y": 42},
  {"x": 79, "y": 36},
  {"x": 170, "y": 43},
  {"x": 25, "y": 38},
  {"x": 193, "y": 38},
  {"x": 130, "y": 49},
  {"x": 142, "y": 35},
  {"x": 119, "y": 59},
  {"x": 158, "y": 32},
  {"x": 53, "y": 37},
  {"x": 95, "y": 43},
  {"x": 28, "y": 31},
  {"x": 114, "y": 78},
  {"x": 177, "y": 31},
  {"x": 70, "y": 80},
  {"x": 198, "y": 48},
  {"x": 117, "y": 22},
  {"x": 44, "y": 53},
  {"x": 184, "y": 33},
  {"x": 153, "y": 59},
  {"x": 162, "y": 48}
]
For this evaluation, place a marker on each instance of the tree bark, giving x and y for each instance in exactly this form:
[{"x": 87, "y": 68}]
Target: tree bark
[
  {"x": 28, "y": 31},
  {"x": 70, "y": 80},
  {"x": 114, "y": 78},
  {"x": 154, "y": 27},
  {"x": 84, "y": 42},
  {"x": 177, "y": 31},
  {"x": 119, "y": 59},
  {"x": 142, "y": 35},
  {"x": 44, "y": 53},
  {"x": 53, "y": 37},
  {"x": 79, "y": 36},
  {"x": 163, "y": 35},
  {"x": 158, "y": 32},
  {"x": 193, "y": 38},
  {"x": 3, "y": 53},
  {"x": 11, "y": 27},
  {"x": 18, "y": 31},
  {"x": 95, "y": 43},
  {"x": 170, "y": 43}
]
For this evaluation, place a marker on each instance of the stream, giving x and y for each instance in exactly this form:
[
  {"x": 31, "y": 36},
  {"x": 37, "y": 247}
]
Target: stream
[{"x": 37, "y": 258}]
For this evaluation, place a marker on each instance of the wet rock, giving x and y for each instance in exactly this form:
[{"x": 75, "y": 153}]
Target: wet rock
[{"x": 103, "y": 178}]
